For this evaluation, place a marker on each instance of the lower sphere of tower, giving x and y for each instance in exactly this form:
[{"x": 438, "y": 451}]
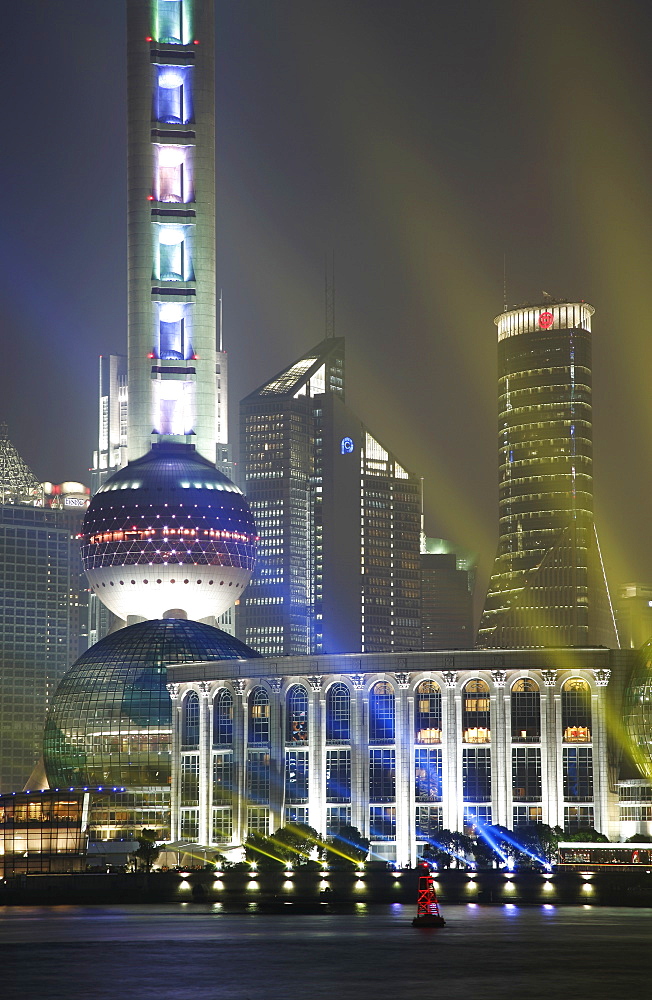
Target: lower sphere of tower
[{"x": 169, "y": 531}]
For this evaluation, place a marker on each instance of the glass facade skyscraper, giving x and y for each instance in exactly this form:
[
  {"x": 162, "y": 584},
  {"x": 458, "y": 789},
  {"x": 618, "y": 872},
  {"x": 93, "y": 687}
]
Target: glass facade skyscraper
[
  {"x": 548, "y": 586},
  {"x": 338, "y": 518}
]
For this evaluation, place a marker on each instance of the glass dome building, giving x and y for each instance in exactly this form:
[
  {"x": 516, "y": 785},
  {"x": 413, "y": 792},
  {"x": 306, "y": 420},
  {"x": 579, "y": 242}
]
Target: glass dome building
[
  {"x": 168, "y": 531},
  {"x": 110, "y": 721},
  {"x": 638, "y": 712}
]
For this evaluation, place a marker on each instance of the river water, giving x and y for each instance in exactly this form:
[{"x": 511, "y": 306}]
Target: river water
[{"x": 197, "y": 952}]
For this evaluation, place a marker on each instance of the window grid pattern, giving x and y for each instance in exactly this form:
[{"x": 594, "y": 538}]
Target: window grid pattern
[
  {"x": 428, "y": 713},
  {"x": 476, "y": 774},
  {"x": 382, "y": 822},
  {"x": 526, "y": 774},
  {"x": 338, "y": 775},
  {"x": 336, "y": 818},
  {"x": 576, "y": 711},
  {"x": 427, "y": 775},
  {"x": 381, "y": 713},
  {"x": 259, "y": 716},
  {"x": 189, "y": 779},
  {"x": 258, "y": 776},
  {"x": 475, "y": 816},
  {"x": 223, "y": 719},
  {"x": 578, "y": 817},
  {"x": 382, "y": 775},
  {"x": 578, "y": 774},
  {"x": 476, "y": 725},
  {"x": 222, "y": 825},
  {"x": 190, "y": 824},
  {"x": 526, "y": 711},
  {"x": 258, "y": 820},
  {"x": 222, "y": 778},
  {"x": 526, "y": 816},
  {"x": 296, "y": 814},
  {"x": 428, "y": 822},
  {"x": 297, "y": 714},
  {"x": 296, "y": 776},
  {"x": 338, "y": 714},
  {"x": 190, "y": 730}
]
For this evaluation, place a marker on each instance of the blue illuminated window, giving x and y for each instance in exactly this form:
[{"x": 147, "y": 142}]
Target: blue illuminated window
[
  {"x": 338, "y": 714},
  {"x": 223, "y": 719},
  {"x": 297, "y": 714},
  {"x": 190, "y": 736},
  {"x": 259, "y": 716},
  {"x": 381, "y": 713}
]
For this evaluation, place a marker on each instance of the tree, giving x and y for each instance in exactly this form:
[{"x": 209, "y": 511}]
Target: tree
[
  {"x": 541, "y": 840},
  {"x": 263, "y": 851},
  {"x": 639, "y": 838},
  {"x": 586, "y": 834},
  {"x": 295, "y": 842},
  {"x": 348, "y": 841},
  {"x": 148, "y": 850}
]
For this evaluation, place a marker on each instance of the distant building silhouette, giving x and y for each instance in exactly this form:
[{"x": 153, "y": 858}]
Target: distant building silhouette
[
  {"x": 634, "y": 615},
  {"x": 447, "y": 579},
  {"x": 548, "y": 586}
]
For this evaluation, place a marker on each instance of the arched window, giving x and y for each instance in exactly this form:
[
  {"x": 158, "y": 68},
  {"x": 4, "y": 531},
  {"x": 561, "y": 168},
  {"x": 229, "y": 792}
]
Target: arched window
[
  {"x": 576, "y": 711},
  {"x": 259, "y": 716},
  {"x": 476, "y": 727},
  {"x": 428, "y": 713},
  {"x": 526, "y": 711},
  {"x": 338, "y": 714},
  {"x": 223, "y": 718},
  {"x": 381, "y": 713},
  {"x": 190, "y": 734},
  {"x": 297, "y": 714}
]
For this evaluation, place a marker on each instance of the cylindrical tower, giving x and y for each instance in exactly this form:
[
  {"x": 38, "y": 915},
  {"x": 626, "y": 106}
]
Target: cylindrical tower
[
  {"x": 171, "y": 226},
  {"x": 543, "y": 587}
]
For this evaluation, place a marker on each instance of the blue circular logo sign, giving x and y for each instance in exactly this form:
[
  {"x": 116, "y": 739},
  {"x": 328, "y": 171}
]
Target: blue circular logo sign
[{"x": 346, "y": 446}]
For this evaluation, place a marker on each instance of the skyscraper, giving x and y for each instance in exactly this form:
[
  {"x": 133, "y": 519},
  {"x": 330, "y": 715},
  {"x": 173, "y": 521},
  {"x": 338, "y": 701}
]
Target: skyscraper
[
  {"x": 338, "y": 519},
  {"x": 177, "y": 376},
  {"x": 548, "y": 586},
  {"x": 42, "y": 606}
]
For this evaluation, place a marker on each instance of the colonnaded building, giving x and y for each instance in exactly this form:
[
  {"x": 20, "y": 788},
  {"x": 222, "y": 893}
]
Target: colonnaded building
[{"x": 398, "y": 745}]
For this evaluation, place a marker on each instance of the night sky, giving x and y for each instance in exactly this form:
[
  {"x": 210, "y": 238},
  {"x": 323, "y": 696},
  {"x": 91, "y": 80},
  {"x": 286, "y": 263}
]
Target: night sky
[{"x": 422, "y": 142}]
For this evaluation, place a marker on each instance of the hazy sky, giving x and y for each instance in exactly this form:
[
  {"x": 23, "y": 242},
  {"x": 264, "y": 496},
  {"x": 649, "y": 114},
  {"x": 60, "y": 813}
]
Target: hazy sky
[{"x": 419, "y": 140}]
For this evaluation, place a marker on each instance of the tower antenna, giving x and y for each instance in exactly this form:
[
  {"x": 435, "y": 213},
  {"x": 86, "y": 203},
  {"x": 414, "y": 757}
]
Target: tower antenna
[
  {"x": 329, "y": 288},
  {"x": 504, "y": 282},
  {"x": 220, "y": 340}
]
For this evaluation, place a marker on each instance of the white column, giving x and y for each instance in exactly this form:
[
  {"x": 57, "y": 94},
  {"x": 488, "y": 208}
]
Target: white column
[
  {"x": 239, "y": 761},
  {"x": 175, "y": 762},
  {"x": 277, "y": 754},
  {"x": 403, "y": 751},
  {"x": 359, "y": 756},
  {"x": 316, "y": 755},
  {"x": 450, "y": 747},
  {"x": 604, "y": 821},
  {"x": 205, "y": 765},
  {"x": 500, "y": 771}
]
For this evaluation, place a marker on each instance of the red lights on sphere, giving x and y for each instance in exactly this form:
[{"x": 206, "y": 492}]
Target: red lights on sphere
[
  {"x": 148, "y": 38},
  {"x": 150, "y": 197},
  {"x": 196, "y": 42},
  {"x": 546, "y": 319}
]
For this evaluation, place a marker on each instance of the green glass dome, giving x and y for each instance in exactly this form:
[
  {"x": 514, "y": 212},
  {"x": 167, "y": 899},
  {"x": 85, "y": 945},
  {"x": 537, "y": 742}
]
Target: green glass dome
[
  {"x": 638, "y": 711},
  {"x": 110, "y": 720}
]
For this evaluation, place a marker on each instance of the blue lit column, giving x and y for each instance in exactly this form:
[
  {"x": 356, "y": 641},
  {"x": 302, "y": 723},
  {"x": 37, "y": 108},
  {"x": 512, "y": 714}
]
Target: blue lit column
[{"x": 239, "y": 760}]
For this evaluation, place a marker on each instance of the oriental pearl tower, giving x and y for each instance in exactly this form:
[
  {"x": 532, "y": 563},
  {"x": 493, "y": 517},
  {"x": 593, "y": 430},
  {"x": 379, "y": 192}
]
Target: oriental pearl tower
[
  {"x": 168, "y": 542},
  {"x": 169, "y": 535}
]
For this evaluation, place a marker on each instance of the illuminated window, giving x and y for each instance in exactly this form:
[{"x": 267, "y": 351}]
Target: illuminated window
[
  {"x": 428, "y": 822},
  {"x": 297, "y": 714},
  {"x": 173, "y": 104},
  {"x": 338, "y": 775},
  {"x": 476, "y": 774},
  {"x": 222, "y": 825},
  {"x": 190, "y": 729},
  {"x": 382, "y": 822},
  {"x": 222, "y": 778},
  {"x": 190, "y": 779},
  {"x": 476, "y": 726},
  {"x": 296, "y": 776},
  {"x": 223, "y": 718},
  {"x": 526, "y": 774},
  {"x": 338, "y": 714},
  {"x": 381, "y": 713},
  {"x": 526, "y": 712},
  {"x": 576, "y": 711},
  {"x": 578, "y": 774},
  {"x": 428, "y": 713},
  {"x": 336, "y": 818},
  {"x": 259, "y": 716},
  {"x": 169, "y": 22},
  {"x": 427, "y": 775},
  {"x": 382, "y": 775}
]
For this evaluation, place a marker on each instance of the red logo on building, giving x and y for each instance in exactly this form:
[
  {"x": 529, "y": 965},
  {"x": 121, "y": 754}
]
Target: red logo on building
[{"x": 546, "y": 319}]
